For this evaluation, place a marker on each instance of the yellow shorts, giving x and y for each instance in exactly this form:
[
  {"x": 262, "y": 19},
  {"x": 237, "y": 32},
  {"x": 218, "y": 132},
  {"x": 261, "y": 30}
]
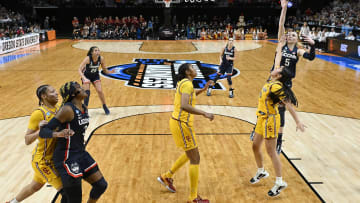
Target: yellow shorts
[
  {"x": 183, "y": 134},
  {"x": 46, "y": 173},
  {"x": 268, "y": 126}
]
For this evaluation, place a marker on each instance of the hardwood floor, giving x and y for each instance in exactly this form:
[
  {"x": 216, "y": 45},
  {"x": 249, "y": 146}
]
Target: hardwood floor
[{"x": 135, "y": 146}]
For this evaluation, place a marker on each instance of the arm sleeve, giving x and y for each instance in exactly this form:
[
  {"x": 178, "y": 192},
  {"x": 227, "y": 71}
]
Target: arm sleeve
[
  {"x": 187, "y": 88},
  {"x": 47, "y": 130},
  {"x": 35, "y": 119},
  {"x": 310, "y": 56}
]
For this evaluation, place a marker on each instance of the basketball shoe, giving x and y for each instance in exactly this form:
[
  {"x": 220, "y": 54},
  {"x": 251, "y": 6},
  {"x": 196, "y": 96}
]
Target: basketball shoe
[
  {"x": 275, "y": 191},
  {"x": 167, "y": 182},
  {"x": 258, "y": 176}
]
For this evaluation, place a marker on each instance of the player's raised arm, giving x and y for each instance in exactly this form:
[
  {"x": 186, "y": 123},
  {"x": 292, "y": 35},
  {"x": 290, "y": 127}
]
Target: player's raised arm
[{"x": 281, "y": 30}]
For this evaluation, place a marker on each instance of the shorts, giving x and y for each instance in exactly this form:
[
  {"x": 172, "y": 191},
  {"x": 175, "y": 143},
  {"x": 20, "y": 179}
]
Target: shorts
[
  {"x": 76, "y": 168},
  {"x": 92, "y": 77},
  {"x": 183, "y": 134},
  {"x": 228, "y": 69},
  {"x": 46, "y": 173},
  {"x": 268, "y": 126}
]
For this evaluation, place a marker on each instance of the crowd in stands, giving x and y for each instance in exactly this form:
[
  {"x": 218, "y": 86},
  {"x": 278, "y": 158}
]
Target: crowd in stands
[
  {"x": 115, "y": 28},
  {"x": 339, "y": 19},
  {"x": 13, "y": 24},
  {"x": 132, "y": 27}
]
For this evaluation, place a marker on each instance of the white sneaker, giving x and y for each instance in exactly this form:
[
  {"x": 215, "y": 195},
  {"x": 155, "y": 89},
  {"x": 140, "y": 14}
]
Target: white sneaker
[
  {"x": 259, "y": 176},
  {"x": 275, "y": 191}
]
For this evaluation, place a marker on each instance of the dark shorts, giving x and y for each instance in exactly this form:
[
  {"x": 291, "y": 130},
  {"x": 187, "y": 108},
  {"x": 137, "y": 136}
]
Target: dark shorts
[
  {"x": 76, "y": 168},
  {"x": 225, "y": 68},
  {"x": 92, "y": 77}
]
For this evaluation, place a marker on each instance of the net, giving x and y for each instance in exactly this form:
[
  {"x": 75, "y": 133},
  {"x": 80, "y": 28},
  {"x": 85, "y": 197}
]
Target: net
[{"x": 167, "y": 3}]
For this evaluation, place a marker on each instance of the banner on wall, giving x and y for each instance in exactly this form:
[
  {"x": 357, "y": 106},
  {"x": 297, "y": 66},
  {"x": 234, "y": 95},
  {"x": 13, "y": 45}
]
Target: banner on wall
[
  {"x": 343, "y": 47},
  {"x": 18, "y": 43}
]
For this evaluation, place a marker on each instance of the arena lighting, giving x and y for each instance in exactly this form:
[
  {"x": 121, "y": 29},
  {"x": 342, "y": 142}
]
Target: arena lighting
[{"x": 290, "y": 4}]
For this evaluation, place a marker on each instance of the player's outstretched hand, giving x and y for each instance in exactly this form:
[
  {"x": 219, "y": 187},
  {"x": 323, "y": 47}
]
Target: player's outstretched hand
[
  {"x": 284, "y": 3},
  {"x": 308, "y": 39},
  {"x": 210, "y": 116},
  {"x": 209, "y": 83},
  {"x": 300, "y": 126}
]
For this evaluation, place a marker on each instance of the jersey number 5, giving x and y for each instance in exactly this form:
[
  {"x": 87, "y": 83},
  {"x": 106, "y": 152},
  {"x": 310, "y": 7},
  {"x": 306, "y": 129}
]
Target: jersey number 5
[{"x": 287, "y": 62}]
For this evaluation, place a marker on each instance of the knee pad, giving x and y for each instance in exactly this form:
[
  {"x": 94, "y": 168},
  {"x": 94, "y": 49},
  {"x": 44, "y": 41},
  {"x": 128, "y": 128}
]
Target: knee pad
[
  {"x": 282, "y": 115},
  {"x": 98, "y": 188},
  {"x": 229, "y": 79}
]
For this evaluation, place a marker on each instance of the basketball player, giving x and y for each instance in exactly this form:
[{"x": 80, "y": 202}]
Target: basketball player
[
  {"x": 181, "y": 126},
  {"x": 42, "y": 164},
  {"x": 289, "y": 59},
  {"x": 290, "y": 56},
  {"x": 71, "y": 159},
  {"x": 268, "y": 122},
  {"x": 227, "y": 58},
  {"x": 89, "y": 72}
]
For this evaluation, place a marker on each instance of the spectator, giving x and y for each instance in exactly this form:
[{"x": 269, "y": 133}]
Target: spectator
[
  {"x": 305, "y": 30},
  {"x": 350, "y": 36}
]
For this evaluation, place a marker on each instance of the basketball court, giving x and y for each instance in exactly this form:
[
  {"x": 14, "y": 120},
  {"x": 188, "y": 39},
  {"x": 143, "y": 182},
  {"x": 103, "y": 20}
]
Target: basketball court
[{"x": 133, "y": 144}]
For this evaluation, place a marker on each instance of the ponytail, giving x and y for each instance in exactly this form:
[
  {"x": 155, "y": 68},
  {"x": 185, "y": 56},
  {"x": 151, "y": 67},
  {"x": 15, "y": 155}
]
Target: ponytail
[
  {"x": 182, "y": 71},
  {"x": 68, "y": 91},
  {"x": 40, "y": 91},
  {"x": 285, "y": 91}
]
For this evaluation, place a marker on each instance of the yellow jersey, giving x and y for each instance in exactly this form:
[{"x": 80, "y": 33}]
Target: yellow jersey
[
  {"x": 266, "y": 105},
  {"x": 45, "y": 147},
  {"x": 184, "y": 86}
]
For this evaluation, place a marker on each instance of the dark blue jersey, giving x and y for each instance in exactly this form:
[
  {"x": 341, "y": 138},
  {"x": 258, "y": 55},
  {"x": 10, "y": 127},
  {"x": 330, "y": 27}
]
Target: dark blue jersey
[
  {"x": 92, "y": 69},
  {"x": 289, "y": 58},
  {"x": 66, "y": 148},
  {"x": 228, "y": 52}
]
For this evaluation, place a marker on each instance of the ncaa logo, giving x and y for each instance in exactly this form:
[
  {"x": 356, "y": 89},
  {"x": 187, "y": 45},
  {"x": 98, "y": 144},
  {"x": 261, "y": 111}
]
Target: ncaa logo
[{"x": 161, "y": 73}]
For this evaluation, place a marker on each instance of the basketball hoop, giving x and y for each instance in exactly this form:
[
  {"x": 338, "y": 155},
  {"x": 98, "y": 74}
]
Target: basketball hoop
[{"x": 167, "y": 3}]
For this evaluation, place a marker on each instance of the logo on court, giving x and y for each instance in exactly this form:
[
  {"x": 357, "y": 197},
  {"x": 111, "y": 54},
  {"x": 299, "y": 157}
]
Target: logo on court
[{"x": 160, "y": 73}]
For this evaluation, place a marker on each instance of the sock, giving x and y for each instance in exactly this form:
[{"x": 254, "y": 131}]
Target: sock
[
  {"x": 260, "y": 170},
  {"x": 86, "y": 100},
  {"x": 14, "y": 201},
  {"x": 178, "y": 164},
  {"x": 278, "y": 180},
  {"x": 194, "y": 179}
]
